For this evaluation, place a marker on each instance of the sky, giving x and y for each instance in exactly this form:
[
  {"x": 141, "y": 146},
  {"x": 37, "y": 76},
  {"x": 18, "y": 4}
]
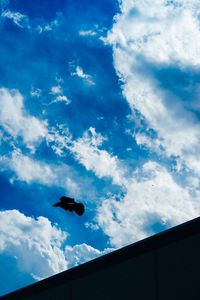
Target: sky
[{"x": 99, "y": 100}]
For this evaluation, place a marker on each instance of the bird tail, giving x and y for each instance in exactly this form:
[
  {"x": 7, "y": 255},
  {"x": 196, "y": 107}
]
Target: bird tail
[
  {"x": 79, "y": 209},
  {"x": 56, "y": 204}
]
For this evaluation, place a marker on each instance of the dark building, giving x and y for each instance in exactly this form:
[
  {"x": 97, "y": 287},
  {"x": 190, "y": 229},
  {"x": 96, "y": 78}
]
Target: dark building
[{"x": 165, "y": 266}]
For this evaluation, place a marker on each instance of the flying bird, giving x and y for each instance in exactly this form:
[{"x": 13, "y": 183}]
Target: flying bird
[{"x": 71, "y": 205}]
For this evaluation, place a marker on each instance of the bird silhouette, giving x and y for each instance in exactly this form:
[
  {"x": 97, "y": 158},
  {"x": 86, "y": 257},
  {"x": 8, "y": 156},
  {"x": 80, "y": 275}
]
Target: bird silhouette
[{"x": 71, "y": 205}]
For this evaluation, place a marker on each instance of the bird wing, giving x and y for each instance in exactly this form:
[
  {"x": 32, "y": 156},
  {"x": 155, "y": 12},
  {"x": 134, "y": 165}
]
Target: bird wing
[
  {"x": 79, "y": 208},
  {"x": 64, "y": 199}
]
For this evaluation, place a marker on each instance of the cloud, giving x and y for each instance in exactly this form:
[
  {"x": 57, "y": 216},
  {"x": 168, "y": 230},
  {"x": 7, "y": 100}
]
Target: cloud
[
  {"x": 87, "y": 33},
  {"x": 98, "y": 32},
  {"x": 158, "y": 34},
  {"x": 156, "y": 60},
  {"x": 82, "y": 253},
  {"x": 29, "y": 170},
  {"x": 18, "y": 19},
  {"x": 23, "y": 166},
  {"x": 49, "y": 27},
  {"x": 61, "y": 99},
  {"x": 38, "y": 246},
  {"x": 57, "y": 91},
  {"x": 16, "y": 121},
  {"x": 148, "y": 142},
  {"x": 36, "y": 92},
  {"x": 59, "y": 139},
  {"x": 153, "y": 202},
  {"x": 79, "y": 72},
  {"x": 91, "y": 226},
  {"x": 86, "y": 151},
  {"x": 34, "y": 243},
  {"x": 86, "y": 77},
  {"x": 23, "y": 21}
]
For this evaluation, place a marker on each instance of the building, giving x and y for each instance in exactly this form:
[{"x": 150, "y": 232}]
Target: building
[{"x": 165, "y": 266}]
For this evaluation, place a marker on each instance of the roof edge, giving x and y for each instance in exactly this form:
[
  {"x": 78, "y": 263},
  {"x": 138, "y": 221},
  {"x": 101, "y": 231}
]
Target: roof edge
[{"x": 148, "y": 244}]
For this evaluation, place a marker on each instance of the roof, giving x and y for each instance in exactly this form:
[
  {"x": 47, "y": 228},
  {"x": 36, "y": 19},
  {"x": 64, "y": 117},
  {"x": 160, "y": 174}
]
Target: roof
[{"x": 149, "y": 244}]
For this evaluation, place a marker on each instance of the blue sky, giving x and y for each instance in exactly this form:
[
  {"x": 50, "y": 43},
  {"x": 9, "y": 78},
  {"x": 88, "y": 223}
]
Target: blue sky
[{"x": 99, "y": 100}]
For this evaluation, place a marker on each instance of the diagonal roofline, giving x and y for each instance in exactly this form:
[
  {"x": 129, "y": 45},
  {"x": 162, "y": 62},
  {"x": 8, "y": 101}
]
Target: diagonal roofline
[{"x": 149, "y": 244}]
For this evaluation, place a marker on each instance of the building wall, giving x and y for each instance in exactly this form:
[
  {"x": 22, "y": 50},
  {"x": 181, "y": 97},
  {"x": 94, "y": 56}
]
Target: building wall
[{"x": 171, "y": 272}]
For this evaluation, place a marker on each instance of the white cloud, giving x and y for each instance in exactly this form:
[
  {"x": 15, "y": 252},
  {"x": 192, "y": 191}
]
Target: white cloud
[
  {"x": 44, "y": 28},
  {"x": 29, "y": 170},
  {"x": 48, "y": 27},
  {"x": 161, "y": 32},
  {"x": 86, "y": 77},
  {"x": 92, "y": 226},
  {"x": 35, "y": 243},
  {"x": 16, "y": 121},
  {"x": 80, "y": 73},
  {"x": 59, "y": 139},
  {"x": 103, "y": 164},
  {"x": 161, "y": 35},
  {"x": 79, "y": 254},
  {"x": 38, "y": 245},
  {"x": 87, "y": 151},
  {"x": 87, "y": 33},
  {"x": 19, "y": 19},
  {"x": 170, "y": 120},
  {"x": 36, "y": 92},
  {"x": 152, "y": 197},
  {"x": 148, "y": 142},
  {"x": 146, "y": 37},
  {"x": 61, "y": 99},
  {"x": 96, "y": 31},
  {"x": 56, "y": 90}
]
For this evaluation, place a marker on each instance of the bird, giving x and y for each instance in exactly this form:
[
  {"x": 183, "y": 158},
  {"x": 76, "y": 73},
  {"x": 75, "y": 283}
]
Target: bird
[{"x": 69, "y": 204}]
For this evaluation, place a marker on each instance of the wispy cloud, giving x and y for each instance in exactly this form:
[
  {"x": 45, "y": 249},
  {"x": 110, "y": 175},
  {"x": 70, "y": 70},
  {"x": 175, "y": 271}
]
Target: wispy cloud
[
  {"x": 51, "y": 26},
  {"x": 16, "y": 121},
  {"x": 86, "y": 77},
  {"x": 87, "y": 33},
  {"x": 24, "y": 22},
  {"x": 86, "y": 151},
  {"x": 30, "y": 170},
  {"x": 153, "y": 201},
  {"x": 36, "y": 92},
  {"x": 59, "y": 138},
  {"x": 59, "y": 97},
  {"x": 18, "y": 19}
]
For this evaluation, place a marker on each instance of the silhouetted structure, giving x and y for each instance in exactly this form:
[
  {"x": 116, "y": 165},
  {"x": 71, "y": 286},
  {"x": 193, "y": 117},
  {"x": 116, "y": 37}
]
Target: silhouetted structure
[
  {"x": 69, "y": 204},
  {"x": 165, "y": 266}
]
